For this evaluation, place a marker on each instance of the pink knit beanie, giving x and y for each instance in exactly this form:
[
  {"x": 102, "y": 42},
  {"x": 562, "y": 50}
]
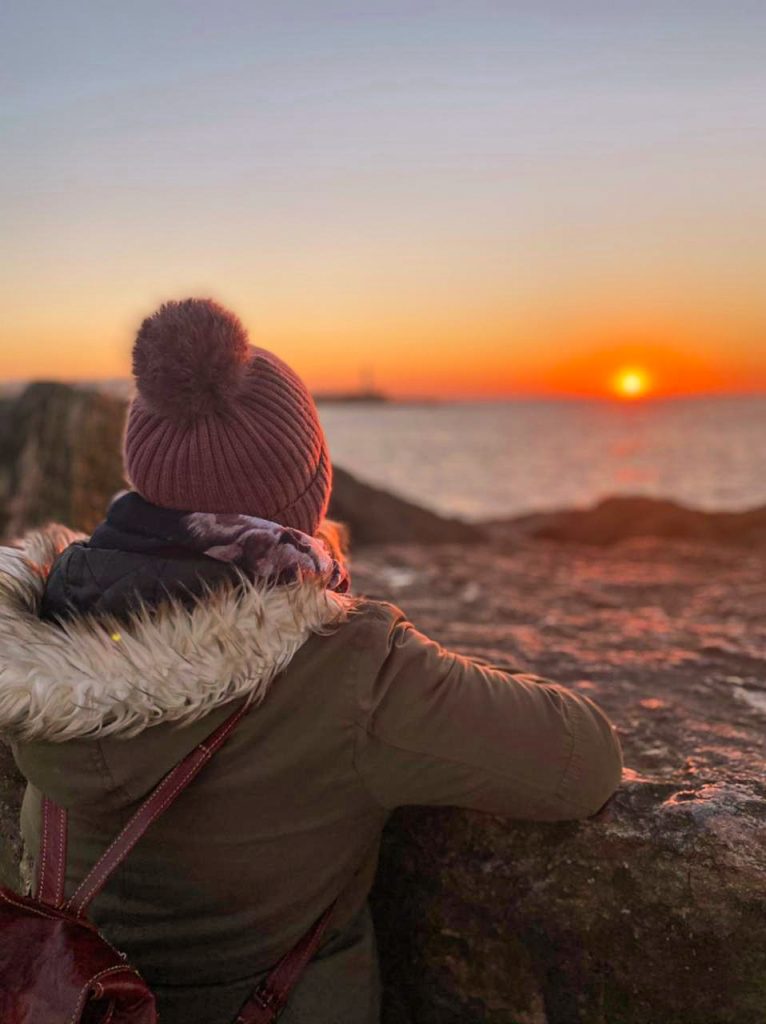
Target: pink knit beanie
[{"x": 221, "y": 426}]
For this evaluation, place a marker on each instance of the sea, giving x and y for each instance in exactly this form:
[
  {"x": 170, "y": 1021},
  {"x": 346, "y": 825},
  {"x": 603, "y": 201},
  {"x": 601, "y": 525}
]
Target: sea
[{"x": 488, "y": 460}]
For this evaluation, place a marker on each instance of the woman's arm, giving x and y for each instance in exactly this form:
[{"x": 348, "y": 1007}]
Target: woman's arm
[{"x": 438, "y": 728}]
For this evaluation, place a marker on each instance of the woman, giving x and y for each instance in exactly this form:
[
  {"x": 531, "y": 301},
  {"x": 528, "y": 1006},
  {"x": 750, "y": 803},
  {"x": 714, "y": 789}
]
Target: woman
[{"x": 216, "y": 580}]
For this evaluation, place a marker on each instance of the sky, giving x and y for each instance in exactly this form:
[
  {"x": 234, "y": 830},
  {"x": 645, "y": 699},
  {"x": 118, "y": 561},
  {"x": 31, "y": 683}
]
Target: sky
[{"x": 450, "y": 199}]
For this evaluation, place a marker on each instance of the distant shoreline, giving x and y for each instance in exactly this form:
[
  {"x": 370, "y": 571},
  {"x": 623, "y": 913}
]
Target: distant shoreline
[
  {"x": 352, "y": 397},
  {"x": 123, "y": 388}
]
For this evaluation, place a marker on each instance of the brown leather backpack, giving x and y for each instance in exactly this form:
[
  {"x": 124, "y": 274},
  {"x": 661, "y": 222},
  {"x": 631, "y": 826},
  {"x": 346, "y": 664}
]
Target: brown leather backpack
[{"x": 55, "y": 967}]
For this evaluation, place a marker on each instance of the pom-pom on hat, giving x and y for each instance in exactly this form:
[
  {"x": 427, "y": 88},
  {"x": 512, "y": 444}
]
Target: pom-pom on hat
[{"x": 219, "y": 425}]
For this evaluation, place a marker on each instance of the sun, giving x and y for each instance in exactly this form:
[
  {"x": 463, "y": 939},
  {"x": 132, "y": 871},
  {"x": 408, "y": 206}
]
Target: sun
[{"x": 631, "y": 382}]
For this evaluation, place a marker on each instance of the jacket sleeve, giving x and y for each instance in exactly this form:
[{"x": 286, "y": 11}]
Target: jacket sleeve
[{"x": 438, "y": 728}]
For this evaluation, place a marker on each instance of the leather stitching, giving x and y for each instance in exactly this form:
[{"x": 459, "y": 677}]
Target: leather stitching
[
  {"x": 43, "y": 851},
  {"x": 28, "y": 909},
  {"x": 61, "y": 831}
]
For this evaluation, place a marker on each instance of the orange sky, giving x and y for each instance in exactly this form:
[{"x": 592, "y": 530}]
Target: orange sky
[
  {"x": 536, "y": 355},
  {"x": 459, "y": 199}
]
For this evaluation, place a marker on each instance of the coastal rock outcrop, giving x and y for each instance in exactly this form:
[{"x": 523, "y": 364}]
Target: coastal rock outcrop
[
  {"x": 59, "y": 456},
  {"x": 620, "y": 518}
]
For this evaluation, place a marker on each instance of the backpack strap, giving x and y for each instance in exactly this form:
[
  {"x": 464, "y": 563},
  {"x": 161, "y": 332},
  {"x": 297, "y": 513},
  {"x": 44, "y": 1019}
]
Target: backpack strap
[
  {"x": 269, "y": 999},
  {"x": 53, "y": 849},
  {"x": 52, "y": 865}
]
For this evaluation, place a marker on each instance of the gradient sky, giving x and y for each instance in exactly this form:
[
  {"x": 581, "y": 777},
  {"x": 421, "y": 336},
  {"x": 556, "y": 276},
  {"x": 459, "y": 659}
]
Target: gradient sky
[{"x": 465, "y": 198}]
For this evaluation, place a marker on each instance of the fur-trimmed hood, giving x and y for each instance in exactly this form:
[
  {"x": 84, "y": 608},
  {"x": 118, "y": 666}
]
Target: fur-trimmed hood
[{"x": 92, "y": 677}]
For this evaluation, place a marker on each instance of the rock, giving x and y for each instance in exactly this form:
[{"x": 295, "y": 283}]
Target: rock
[
  {"x": 647, "y": 914},
  {"x": 11, "y": 792},
  {"x": 654, "y": 912},
  {"x": 59, "y": 457},
  {"x": 616, "y": 519},
  {"x": 377, "y": 517}
]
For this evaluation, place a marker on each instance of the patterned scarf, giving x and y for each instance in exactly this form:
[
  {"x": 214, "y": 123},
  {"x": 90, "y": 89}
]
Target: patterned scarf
[{"x": 263, "y": 550}]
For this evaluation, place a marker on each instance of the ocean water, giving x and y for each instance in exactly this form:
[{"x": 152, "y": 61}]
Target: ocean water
[{"x": 493, "y": 459}]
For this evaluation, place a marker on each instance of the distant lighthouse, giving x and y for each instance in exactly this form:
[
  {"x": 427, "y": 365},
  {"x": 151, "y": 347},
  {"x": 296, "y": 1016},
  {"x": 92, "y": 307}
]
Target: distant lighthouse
[{"x": 366, "y": 392}]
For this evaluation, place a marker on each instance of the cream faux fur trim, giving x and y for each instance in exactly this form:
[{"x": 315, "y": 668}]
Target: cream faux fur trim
[{"x": 96, "y": 677}]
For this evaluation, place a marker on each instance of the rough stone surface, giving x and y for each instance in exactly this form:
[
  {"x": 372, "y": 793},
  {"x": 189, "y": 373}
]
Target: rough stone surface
[
  {"x": 655, "y": 912},
  {"x": 11, "y": 792},
  {"x": 59, "y": 457}
]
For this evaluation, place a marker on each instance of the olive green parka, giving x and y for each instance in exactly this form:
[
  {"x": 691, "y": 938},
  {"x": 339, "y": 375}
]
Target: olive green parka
[{"x": 354, "y": 713}]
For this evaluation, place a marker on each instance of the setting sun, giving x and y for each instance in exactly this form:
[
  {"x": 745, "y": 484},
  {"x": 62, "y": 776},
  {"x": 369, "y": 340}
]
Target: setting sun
[{"x": 631, "y": 382}]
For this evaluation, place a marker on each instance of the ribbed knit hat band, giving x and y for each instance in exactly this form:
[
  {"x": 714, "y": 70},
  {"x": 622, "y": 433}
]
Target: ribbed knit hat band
[{"x": 221, "y": 426}]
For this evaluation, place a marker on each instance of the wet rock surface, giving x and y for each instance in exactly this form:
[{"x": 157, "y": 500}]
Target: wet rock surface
[{"x": 652, "y": 912}]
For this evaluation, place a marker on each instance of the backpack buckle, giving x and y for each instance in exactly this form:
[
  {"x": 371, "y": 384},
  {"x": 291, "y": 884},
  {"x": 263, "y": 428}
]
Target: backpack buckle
[
  {"x": 266, "y": 997},
  {"x": 263, "y": 998}
]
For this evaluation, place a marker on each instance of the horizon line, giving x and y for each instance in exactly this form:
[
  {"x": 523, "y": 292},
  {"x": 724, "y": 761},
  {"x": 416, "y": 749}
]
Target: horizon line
[
  {"x": 350, "y": 395},
  {"x": 382, "y": 396}
]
